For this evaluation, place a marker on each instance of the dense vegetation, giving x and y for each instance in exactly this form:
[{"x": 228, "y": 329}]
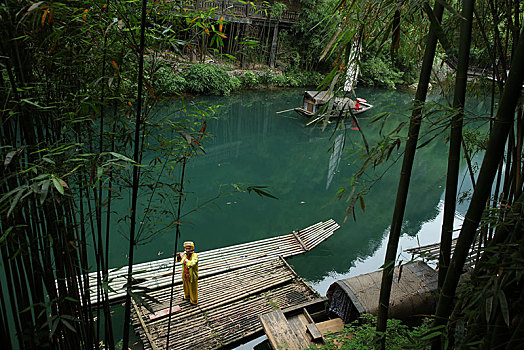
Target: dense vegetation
[{"x": 79, "y": 81}]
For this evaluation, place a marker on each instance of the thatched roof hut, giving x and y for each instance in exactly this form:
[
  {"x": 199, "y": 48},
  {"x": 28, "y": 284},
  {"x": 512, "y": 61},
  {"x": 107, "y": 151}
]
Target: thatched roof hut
[{"x": 412, "y": 293}]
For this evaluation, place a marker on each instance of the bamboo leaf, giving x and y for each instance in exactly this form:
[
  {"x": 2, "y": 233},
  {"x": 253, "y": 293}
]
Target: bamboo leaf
[
  {"x": 121, "y": 157},
  {"x": 9, "y": 157},
  {"x": 58, "y": 185},
  {"x": 148, "y": 87},
  {"x": 68, "y": 325},
  {"x": 15, "y": 201},
  {"x": 50, "y": 161},
  {"x": 115, "y": 65},
  {"x": 238, "y": 188},
  {"x": 55, "y": 324},
  {"x": 258, "y": 190},
  {"x": 44, "y": 191},
  {"x": 504, "y": 306},
  {"x": 362, "y": 203},
  {"x": 6, "y": 233},
  {"x": 489, "y": 307},
  {"x": 35, "y": 6},
  {"x": 44, "y": 15},
  {"x": 430, "y": 336}
]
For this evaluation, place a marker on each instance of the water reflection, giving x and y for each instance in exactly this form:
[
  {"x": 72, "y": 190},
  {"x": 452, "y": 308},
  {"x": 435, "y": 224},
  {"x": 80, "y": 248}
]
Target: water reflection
[{"x": 304, "y": 167}]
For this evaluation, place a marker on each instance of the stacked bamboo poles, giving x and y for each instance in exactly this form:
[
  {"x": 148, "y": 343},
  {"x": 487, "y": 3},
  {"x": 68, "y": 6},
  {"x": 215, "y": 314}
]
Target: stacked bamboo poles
[
  {"x": 157, "y": 274},
  {"x": 431, "y": 252},
  {"x": 229, "y": 306}
]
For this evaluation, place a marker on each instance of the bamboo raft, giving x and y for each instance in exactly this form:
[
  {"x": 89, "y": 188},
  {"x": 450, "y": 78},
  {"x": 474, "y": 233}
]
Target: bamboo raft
[
  {"x": 431, "y": 252},
  {"x": 157, "y": 274},
  {"x": 229, "y": 307}
]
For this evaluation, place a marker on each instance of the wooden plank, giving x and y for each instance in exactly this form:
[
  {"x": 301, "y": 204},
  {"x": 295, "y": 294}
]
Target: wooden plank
[
  {"x": 300, "y": 241},
  {"x": 303, "y": 305},
  {"x": 330, "y": 326},
  {"x": 314, "y": 331},
  {"x": 299, "y": 325},
  {"x": 278, "y": 332},
  {"x": 307, "y": 315}
]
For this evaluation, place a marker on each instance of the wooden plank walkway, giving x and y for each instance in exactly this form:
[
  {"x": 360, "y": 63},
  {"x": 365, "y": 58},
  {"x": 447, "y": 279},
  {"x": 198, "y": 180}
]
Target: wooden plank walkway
[
  {"x": 229, "y": 307},
  {"x": 157, "y": 274}
]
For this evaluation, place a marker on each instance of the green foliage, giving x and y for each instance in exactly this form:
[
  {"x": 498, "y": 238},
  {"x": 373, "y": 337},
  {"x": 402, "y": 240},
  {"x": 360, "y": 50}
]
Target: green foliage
[
  {"x": 310, "y": 35},
  {"x": 235, "y": 83},
  {"x": 475, "y": 140},
  {"x": 168, "y": 82},
  {"x": 249, "y": 80},
  {"x": 207, "y": 79},
  {"x": 277, "y": 9},
  {"x": 379, "y": 71},
  {"x": 361, "y": 334}
]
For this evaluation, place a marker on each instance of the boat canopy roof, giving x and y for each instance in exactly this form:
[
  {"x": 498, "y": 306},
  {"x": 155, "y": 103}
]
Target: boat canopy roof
[
  {"x": 319, "y": 97},
  {"x": 322, "y": 97},
  {"x": 412, "y": 293}
]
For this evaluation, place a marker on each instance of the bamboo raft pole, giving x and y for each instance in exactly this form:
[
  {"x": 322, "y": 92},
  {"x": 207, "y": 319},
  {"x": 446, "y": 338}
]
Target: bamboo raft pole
[
  {"x": 157, "y": 274},
  {"x": 228, "y": 309}
]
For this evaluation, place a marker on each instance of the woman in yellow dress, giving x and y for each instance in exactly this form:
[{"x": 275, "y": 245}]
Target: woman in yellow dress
[{"x": 189, "y": 260}]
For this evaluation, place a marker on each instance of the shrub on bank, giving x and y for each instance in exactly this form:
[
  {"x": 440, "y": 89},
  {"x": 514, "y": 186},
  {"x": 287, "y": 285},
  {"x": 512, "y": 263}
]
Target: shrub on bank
[
  {"x": 249, "y": 80},
  {"x": 169, "y": 82},
  {"x": 379, "y": 71},
  {"x": 207, "y": 79},
  {"x": 361, "y": 334}
]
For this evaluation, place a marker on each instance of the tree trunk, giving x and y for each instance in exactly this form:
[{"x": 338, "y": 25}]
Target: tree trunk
[
  {"x": 455, "y": 140},
  {"x": 134, "y": 196},
  {"x": 274, "y": 46},
  {"x": 405, "y": 175},
  {"x": 395, "y": 37},
  {"x": 494, "y": 153}
]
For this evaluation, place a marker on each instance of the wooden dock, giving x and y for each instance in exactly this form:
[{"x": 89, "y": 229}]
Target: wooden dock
[
  {"x": 230, "y": 304},
  {"x": 157, "y": 274},
  {"x": 297, "y": 329}
]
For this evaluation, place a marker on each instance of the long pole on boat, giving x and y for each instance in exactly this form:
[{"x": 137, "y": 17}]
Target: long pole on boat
[{"x": 174, "y": 251}]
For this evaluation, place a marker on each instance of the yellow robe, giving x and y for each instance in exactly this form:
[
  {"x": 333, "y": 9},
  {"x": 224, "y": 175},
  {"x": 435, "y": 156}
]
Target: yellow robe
[{"x": 190, "y": 277}]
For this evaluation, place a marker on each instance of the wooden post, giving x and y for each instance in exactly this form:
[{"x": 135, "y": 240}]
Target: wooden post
[{"x": 274, "y": 46}]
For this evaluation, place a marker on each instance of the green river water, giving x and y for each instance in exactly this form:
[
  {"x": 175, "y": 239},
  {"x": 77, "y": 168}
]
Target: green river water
[
  {"x": 304, "y": 167},
  {"x": 251, "y": 143}
]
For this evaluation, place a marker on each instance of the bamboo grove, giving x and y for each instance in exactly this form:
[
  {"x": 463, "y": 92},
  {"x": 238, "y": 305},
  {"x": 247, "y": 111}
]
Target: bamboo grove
[
  {"x": 79, "y": 88},
  {"x": 485, "y": 310},
  {"x": 79, "y": 85}
]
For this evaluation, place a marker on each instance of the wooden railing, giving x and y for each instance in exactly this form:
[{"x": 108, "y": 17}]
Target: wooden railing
[{"x": 236, "y": 9}]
